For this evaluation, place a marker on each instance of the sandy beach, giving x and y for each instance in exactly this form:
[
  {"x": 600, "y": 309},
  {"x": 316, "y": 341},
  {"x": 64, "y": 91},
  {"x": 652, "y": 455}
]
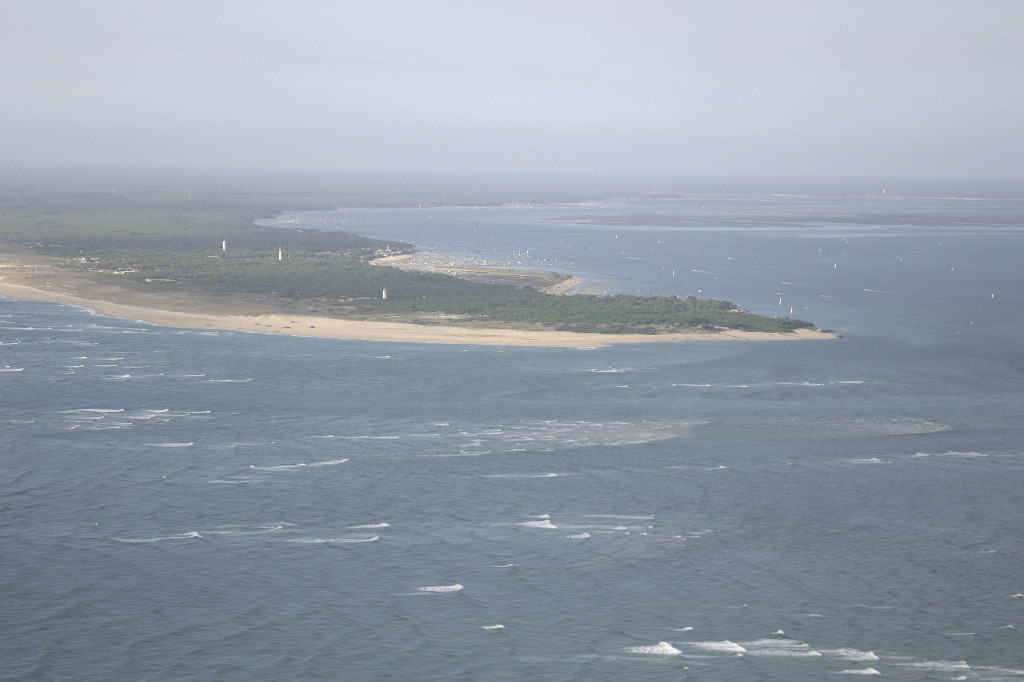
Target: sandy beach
[{"x": 27, "y": 277}]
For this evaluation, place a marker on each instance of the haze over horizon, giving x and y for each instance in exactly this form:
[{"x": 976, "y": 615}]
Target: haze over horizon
[{"x": 726, "y": 87}]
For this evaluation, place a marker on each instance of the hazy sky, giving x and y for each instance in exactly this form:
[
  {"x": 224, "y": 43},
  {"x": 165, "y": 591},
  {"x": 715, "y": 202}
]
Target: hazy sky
[{"x": 875, "y": 87}]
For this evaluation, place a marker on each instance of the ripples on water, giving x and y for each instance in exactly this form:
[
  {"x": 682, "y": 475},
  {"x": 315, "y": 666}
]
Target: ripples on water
[{"x": 181, "y": 505}]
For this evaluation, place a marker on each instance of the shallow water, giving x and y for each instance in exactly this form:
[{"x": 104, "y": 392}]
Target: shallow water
[{"x": 182, "y": 504}]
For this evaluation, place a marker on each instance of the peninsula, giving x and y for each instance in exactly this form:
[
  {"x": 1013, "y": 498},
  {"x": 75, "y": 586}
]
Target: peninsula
[{"x": 160, "y": 254}]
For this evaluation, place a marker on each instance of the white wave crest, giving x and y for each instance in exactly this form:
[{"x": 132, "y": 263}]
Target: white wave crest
[
  {"x": 938, "y": 666},
  {"x": 299, "y": 465},
  {"x": 545, "y": 523},
  {"x": 441, "y": 588},
  {"x": 780, "y": 647},
  {"x": 951, "y": 453},
  {"x": 663, "y": 648},
  {"x": 181, "y": 536},
  {"x": 847, "y": 654},
  {"x": 724, "y": 646}
]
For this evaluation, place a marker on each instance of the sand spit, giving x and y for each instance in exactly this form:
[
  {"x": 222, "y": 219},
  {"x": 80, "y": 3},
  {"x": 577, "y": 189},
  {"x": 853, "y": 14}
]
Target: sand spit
[{"x": 26, "y": 277}]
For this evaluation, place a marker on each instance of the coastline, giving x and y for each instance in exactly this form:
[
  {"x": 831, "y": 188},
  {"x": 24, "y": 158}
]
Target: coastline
[{"x": 27, "y": 277}]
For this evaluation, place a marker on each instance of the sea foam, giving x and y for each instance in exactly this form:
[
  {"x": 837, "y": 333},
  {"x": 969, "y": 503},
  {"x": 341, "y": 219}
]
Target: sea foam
[
  {"x": 334, "y": 541},
  {"x": 847, "y": 654},
  {"x": 663, "y": 648},
  {"x": 299, "y": 465},
  {"x": 938, "y": 666},
  {"x": 724, "y": 646},
  {"x": 780, "y": 647},
  {"x": 859, "y": 671},
  {"x": 544, "y": 523},
  {"x": 181, "y": 536}
]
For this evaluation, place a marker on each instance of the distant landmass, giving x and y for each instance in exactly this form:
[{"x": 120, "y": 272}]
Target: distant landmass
[{"x": 183, "y": 235}]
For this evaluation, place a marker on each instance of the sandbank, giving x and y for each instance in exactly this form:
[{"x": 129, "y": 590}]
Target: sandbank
[
  {"x": 26, "y": 277},
  {"x": 476, "y": 271}
]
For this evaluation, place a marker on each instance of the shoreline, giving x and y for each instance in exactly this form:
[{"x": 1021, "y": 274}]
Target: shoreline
[{"x": 41, "y": 281}]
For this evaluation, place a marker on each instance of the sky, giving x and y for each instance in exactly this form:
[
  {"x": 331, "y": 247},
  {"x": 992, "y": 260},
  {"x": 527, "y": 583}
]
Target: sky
[{"x": 707, "y": 87}]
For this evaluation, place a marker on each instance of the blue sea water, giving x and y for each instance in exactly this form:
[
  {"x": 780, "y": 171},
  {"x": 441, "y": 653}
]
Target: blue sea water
[{"x": 197, "y": 504}]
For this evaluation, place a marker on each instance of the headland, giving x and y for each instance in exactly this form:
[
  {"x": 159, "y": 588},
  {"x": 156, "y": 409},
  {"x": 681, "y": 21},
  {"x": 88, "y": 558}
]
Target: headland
[{"x": 31, "y": 277}]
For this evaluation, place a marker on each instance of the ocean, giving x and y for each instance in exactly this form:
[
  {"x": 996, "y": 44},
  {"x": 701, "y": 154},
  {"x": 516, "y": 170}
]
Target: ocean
[{"x": 197, "y": 504}]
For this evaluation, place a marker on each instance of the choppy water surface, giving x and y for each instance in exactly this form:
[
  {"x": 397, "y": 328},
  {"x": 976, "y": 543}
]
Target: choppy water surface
[{"x": 183, "y": 504}]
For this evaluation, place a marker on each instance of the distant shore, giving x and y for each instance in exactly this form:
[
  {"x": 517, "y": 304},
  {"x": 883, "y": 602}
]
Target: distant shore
[{"x": 29, "y": 277}]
